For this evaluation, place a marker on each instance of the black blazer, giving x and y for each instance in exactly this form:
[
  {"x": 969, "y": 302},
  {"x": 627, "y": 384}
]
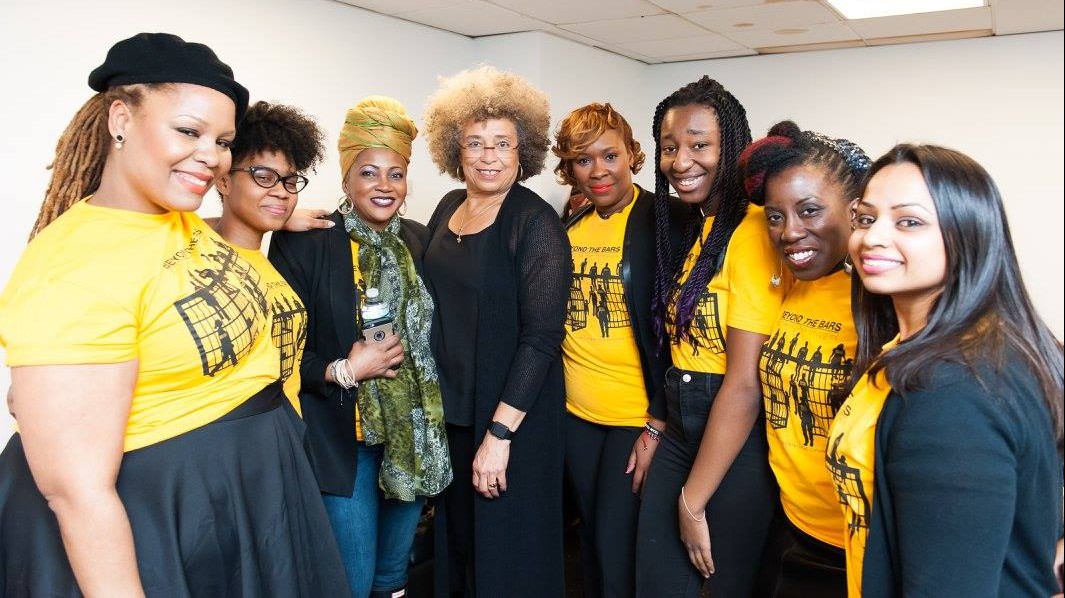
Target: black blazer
[{"x": 319, "y": 267}]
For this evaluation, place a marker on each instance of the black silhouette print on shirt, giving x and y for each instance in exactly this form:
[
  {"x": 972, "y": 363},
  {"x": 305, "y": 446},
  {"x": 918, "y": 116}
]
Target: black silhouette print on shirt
[
  {"x": 597, "y": 293},
  {"x": 226, "y": 311},
  {"x": 804, "y": 393},
  {"x": 848, "y": 482}
]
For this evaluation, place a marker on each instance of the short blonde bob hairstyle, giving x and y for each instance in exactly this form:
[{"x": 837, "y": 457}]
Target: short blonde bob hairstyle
[
  {"x": 481, "y": 94},
  {"x": 583, "y": 127}
]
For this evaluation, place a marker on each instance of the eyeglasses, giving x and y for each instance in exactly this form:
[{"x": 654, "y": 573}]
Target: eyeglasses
[
  {"x": 475, "y": 148},
  {"x": 267, "y": 177}
]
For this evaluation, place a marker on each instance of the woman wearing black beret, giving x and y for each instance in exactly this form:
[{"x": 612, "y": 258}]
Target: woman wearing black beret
[{"x": 155, "y": 453}]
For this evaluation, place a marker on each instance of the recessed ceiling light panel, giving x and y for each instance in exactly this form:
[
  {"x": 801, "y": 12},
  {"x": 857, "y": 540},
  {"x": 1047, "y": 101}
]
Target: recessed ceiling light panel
[{"x": 866, "y": 9}]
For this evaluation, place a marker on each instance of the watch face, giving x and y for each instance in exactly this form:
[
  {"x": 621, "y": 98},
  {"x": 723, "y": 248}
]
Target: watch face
[{"x": 500, "y": 431}]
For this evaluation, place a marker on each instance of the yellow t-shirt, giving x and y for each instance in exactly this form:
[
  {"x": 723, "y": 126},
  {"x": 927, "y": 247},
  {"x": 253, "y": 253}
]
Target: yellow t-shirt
[
  {"x": 740, "y": 295},
  {"x": 361, "y": 285},
  {"x": 850, "y": 455},
  {"x": 289, "y": 322},
  {"x": 102, "y": 285},
  {"x": 604, "y": 380},
  {"x": 810, "y": 353}
]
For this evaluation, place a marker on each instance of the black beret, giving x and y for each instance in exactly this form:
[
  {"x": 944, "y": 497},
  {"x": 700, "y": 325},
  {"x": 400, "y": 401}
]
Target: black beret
[{"x": 166, "y": 58}]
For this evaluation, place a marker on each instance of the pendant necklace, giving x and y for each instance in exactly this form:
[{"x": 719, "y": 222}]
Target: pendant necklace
[{"x": 458, "y": 235}]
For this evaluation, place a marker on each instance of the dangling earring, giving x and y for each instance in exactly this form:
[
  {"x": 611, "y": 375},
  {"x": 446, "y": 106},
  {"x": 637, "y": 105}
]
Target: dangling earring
[
  {"x": 776, "y": 279},
  {"x": 119, "y": 140},
  {"x": 345, "y": 206},
  {"x": 848, "y": 267}
]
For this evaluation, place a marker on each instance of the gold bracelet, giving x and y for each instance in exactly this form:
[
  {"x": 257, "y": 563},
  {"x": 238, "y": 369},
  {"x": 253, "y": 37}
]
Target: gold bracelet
[{"x": 684, "y": 501}]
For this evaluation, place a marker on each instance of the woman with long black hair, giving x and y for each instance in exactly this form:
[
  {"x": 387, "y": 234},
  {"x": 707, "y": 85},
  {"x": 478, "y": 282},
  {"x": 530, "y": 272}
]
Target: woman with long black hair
[
  {"x": 716, "y": 303},
  {"x": 944, "y": 453}
]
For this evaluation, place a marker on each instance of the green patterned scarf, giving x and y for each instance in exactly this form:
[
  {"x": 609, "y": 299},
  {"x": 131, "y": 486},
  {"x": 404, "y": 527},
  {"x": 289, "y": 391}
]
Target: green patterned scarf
[{"x": 404, "y": 413}]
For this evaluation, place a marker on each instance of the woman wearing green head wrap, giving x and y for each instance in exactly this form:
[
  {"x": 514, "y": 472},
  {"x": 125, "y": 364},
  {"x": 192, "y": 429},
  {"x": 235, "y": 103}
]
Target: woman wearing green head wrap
[{"x": 374, "y": 416}]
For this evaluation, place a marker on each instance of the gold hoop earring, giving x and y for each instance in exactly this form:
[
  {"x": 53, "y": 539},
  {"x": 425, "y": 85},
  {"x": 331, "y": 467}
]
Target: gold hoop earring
[
  {"x": 402, "y": 208},
  {"x": 345, "y": 207}
]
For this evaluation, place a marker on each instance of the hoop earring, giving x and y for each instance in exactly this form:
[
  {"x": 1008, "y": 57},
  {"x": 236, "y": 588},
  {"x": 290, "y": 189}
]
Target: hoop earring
[
  {"x": 345, "y": 207},
  {"x": 403, "y": 208},
  {"x": 119, "y": 141},
  {"x": 776, "y": 279}
]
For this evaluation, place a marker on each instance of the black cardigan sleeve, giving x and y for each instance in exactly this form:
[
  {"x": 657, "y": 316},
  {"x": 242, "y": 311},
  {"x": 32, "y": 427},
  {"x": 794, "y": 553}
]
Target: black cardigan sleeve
[
  {"x": 962, "y": 464},
  {"x": 289, "y": 254},
  {"x": 542, "y": 255}
]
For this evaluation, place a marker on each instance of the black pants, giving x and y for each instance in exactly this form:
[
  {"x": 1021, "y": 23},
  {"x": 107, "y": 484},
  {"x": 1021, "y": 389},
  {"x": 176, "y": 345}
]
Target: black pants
[
  {"x": 809, "y": 568},
  {"x": 458, "y": 502},
  {"x": 739, "y": 513},
  {"x": 595, "y": 469}
]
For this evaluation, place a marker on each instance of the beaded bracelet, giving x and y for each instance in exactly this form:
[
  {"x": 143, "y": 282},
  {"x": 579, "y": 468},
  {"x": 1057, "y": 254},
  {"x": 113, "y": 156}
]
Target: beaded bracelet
[
  {"x": 342, "y": 374},
  {"x": 653, "y": 432}
]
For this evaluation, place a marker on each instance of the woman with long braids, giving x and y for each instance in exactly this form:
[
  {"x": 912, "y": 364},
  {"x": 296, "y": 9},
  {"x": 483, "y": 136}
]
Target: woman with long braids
[
  {"x": 943, "y": 455},
  {"x": 156, "y": 454},
  {"x": 718, "y": 302},
  {"x": 806, "y": 182}
]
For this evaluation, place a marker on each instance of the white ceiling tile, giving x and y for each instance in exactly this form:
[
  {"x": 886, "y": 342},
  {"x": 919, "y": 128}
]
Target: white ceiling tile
[
  {"x": 709, "y": 55},
  {"x": 779, "y": 15},
  {"x": 927, "y": 37},
  {"x": 620, "y": 31},
  {"x": 1024, "y": 16},
  {"x": 703, "y": 44},
  {"x": 966, "y": 19},
  {"x": 685, "y": 6},
  {"x": 473, "y": 19},
  {"x": 813, "y": 34},
  {"x": 394, "y": 7},
  {"x": 567, "y": 11},
  {"x": 560, "y": 32},
  {"x": 628, "y": 53}
]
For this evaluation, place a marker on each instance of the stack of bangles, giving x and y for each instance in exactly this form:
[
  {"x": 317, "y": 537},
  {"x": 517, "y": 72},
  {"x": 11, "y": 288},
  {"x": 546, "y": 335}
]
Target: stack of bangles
[
  {"x": 342, "y": 374},
  {"x": 652, "y": 432}
]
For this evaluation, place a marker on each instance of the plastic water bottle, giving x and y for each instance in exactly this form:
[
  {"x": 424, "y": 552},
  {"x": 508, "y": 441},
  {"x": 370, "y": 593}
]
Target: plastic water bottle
[{"x": 376, "y": 317}]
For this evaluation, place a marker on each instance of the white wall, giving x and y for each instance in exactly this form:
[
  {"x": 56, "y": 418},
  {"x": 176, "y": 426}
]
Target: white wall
[{"x": 989, "y": 97}]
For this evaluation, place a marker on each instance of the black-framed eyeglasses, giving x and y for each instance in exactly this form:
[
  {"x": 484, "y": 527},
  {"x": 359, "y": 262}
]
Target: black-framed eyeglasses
[
  {"x": 267, "y": 177},
  {"x": 475, "y": 148}
]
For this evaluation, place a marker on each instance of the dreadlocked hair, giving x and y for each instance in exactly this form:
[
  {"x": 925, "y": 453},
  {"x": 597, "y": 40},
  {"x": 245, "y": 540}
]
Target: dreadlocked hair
[
  {"x": 786, "y": 146},
  {"x": 282, "y": 129},
  {"x": 726, "y": 198},
  {"x": 81, "y": 152}
]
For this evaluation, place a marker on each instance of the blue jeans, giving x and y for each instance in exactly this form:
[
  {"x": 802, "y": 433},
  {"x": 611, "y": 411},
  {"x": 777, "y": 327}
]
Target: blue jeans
[{"x": 374, "y": 533}]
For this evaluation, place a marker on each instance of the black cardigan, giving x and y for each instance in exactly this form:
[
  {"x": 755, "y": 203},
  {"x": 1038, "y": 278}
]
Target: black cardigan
[
  {"x": 521, "y": 307},
  {"x": 968, "y": 482},
  {"x": 638, "y": 280},
  {"x": 319, "y": 267}
]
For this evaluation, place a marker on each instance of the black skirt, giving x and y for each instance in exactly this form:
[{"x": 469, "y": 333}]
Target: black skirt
[{"x": 228, "y": 509}]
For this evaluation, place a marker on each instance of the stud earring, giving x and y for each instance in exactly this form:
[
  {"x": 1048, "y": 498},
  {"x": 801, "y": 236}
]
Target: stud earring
[{"x": 119, "y": 140}]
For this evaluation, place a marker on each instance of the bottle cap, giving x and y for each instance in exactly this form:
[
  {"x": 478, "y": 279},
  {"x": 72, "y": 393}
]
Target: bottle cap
[{"x": 372, "y": 293}]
